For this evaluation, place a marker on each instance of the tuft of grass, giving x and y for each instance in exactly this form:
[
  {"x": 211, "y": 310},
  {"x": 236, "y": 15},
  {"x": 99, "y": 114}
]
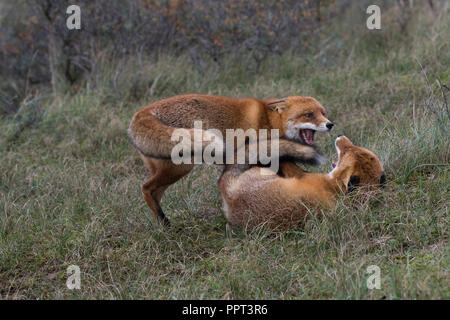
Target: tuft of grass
[{"x": 70, "y": 184}]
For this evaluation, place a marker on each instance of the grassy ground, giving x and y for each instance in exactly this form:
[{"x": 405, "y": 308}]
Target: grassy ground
[{"x": 70, "y": 183}]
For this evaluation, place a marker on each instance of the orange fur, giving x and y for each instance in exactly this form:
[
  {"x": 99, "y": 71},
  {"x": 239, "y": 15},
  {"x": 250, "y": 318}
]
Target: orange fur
[
  {"x": 151, "y": 129},
  {"x": 283, "y": 202}
]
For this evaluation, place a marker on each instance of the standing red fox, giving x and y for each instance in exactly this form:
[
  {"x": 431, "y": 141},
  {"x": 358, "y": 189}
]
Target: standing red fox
[{"x": 297, "y": 118}]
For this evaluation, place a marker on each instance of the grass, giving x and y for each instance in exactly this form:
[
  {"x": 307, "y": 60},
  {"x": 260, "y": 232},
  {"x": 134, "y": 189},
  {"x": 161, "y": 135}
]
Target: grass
[{"x": 70, "y": 184}]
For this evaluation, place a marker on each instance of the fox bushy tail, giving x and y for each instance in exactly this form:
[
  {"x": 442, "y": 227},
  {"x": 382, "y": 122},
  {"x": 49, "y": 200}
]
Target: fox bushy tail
[{"x": 154, "y": 139}]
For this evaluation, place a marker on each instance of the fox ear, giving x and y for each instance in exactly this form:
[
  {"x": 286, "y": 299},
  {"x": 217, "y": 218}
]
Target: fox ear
[
  {"x": 278, "y": 105},
  {"x": 352, "y": 183},
  {"x": 383, "y": 180}
]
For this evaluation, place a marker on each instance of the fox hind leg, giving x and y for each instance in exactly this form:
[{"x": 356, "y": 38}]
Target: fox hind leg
[{"x": 163, "y": 174}]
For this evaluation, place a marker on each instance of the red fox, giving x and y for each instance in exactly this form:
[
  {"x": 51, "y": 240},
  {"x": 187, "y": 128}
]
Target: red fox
[
  {"x": 297, "y": 118},
  {"x": 251, "y": 198}
]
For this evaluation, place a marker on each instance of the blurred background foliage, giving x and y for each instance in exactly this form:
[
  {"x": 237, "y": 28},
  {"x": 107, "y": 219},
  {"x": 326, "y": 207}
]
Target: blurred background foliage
[{"x": 37, "y": 49}]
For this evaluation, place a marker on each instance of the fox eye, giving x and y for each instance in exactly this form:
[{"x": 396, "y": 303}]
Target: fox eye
[{"x": 309, "y": 115}]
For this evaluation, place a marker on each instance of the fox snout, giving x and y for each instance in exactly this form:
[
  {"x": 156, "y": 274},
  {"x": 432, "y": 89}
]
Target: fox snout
[{"x": 323, "y": 124}]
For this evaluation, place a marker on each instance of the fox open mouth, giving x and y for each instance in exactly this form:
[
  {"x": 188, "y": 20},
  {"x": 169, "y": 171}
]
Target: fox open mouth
[{"x": 307, "y": 136}]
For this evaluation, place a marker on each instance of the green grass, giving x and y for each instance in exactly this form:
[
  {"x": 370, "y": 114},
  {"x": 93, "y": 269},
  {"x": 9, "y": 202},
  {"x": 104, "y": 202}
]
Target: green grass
[{"x": 70, "y": 185}]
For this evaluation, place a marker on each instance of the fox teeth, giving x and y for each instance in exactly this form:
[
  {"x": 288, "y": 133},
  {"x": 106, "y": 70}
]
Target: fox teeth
[{"x": 306, "y": 138}]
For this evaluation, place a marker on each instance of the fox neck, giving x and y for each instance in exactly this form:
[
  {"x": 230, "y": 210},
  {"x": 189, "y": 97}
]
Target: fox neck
[{"x": 339, "y": 178}]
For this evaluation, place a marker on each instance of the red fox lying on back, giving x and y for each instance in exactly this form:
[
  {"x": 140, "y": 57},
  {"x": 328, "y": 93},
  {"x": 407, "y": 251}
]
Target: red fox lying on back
[
  {"x": 251, "y": 198},
  {"x": 151, "y": 128}
]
